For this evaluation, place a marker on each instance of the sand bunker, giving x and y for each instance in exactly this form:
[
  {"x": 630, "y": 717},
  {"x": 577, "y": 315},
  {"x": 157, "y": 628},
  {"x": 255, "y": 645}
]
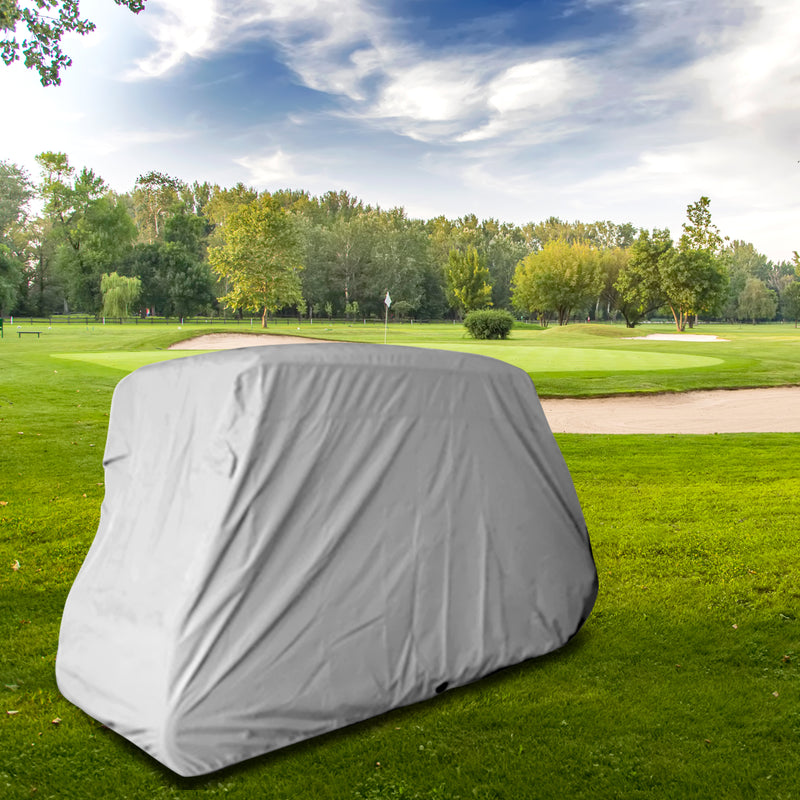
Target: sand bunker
[
  {"x": 230, "y": 341},
  {"x": 718, "y": 411}
]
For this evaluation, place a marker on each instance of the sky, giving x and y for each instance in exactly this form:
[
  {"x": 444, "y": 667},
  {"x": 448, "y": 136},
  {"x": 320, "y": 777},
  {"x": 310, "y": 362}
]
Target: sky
[{"x": 621, "y": 110}]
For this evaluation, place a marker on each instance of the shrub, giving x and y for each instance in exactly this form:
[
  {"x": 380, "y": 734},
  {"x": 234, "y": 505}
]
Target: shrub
[{"x": 494, "y": 324}]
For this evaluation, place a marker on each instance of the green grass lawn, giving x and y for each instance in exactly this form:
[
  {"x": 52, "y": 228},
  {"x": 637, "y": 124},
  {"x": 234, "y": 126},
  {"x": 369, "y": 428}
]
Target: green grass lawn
[
  {"x": 573, "y": 361},
  {"x": 584, "y": 360},
  {"x": 533, "y": 358},
  {"x": 684, "y": 683}
]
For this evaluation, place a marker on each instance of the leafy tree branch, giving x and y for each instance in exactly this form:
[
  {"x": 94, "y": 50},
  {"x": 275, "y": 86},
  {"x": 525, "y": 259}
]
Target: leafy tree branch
[{"x": 39, "y": 36}]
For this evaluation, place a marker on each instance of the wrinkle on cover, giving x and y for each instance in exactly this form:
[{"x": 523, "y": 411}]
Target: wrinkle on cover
[{"x": 281, "y": 535}]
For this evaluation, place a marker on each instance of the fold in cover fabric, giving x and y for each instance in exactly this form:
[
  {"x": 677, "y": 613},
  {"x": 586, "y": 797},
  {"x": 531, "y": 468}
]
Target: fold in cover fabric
[{"x": 296, "y": 538}]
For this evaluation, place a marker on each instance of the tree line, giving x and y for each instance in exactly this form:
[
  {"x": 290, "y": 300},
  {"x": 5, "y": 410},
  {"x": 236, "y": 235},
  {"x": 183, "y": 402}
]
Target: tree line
[{"x": 170, "y": 248}]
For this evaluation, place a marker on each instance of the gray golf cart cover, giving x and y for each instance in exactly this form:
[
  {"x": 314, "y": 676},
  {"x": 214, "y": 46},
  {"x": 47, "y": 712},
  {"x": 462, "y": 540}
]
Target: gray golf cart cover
[{"x": 299, "y": 537}]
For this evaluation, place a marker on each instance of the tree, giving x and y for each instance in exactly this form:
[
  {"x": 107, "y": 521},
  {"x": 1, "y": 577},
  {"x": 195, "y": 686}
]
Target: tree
[
  {"x": 350, "y": 240},
  {"x": 354, "y": 253},
  {"x": 46, "y": 291},
  {"x": 42, "y": 48},
  {"x": 468, "y": 280},
  {"x": 98, "y": 239},
  {"x": 223, "y": 202},
  {"x": 505, "y": 247},
  {"x": 693, "y": 282},
  {"x": 402, "y": 309},
  {"x": 90, "y": 227},
  {"x": 699, "y": 233},
  {"x": 756, "y": 301},
  {"x": 558, "y": 278},
  {"x": 340, "y": 205},
  {"x": 790, "y": 301},
  {"x": 148, "y": 262},
  {"x": 260, "y": 258},
  {"x": 188, "y": 281},
  {"x": 743, "y": 262},
  {"x": 433, "y": 304},
  {"x": 154, "y": 194},
  {"x": 119, "y": 294},
  {"x": 189, "y": 229},
  {"x": 399, "y": 260},
  {"x": 441, "y": 240},
  {"x": 351, "y": 310},
  {"x": 610, "y": 235},
  {"x": 16, "y": 191},
  {"x": 554, "y": 229},
  {"x": 220, "y": 205},
  {"x": 174, "y": 281},
  {"x": 10, "y": 280},
  {"x": 694, "y": 278},
  {"x": 612, "y": 262},
  {"x": 56, "y": 184},
  {"x": 602, "y": 234},
  {"x": 638, "y": 283}
]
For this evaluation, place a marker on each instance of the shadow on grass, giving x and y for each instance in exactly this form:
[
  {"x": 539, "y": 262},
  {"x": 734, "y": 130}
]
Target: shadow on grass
[{"x": 453, "y": 700}]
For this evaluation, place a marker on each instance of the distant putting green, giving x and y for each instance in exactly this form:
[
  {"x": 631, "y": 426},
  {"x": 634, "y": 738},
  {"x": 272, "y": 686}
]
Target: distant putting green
[
  {"x": 127, "y": 362},
  {"x": 533, "y": 359},
  {"x": 578, "y": 359}
]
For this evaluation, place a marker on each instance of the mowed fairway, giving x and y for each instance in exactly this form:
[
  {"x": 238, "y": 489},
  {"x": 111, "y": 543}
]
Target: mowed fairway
[
  {"x": 684, "y": 683},
  {"x": 533, "y": 359},
  {"x": 127, "y": 362},
  {"x": 574, "y": 361}
]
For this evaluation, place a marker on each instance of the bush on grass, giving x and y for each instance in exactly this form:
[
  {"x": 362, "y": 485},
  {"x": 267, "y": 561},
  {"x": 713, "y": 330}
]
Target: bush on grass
[{"x": 490, "y": 324}]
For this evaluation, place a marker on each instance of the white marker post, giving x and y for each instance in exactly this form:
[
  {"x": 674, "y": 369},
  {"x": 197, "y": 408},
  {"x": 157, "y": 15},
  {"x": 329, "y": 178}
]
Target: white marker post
[{"x": 387, "y": 301}]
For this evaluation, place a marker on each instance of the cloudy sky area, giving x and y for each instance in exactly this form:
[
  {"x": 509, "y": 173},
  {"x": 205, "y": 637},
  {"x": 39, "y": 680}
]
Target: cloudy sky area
[{"x": 625, "y": 110}]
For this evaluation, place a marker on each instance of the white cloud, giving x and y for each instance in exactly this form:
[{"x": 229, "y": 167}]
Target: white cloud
[
  {"x": 354, "y": 51},
  {"x": 535, "y": 84},
  {"x": 276, "y": 170},
  {"x": 758, "y": 68},
  {"x": 525, "y": 98},
  {"x": 332, "y": 46},
  {"x": 433, "y": 91},
  {"x": 679, "y": 171},
  {"x": 181, "y": 28},
  {"x": 114, "y": 141},
  {"x": 691, "y": 98},
  {"x": 753, "y": 195},
  {"x": 313, "y": 35}
]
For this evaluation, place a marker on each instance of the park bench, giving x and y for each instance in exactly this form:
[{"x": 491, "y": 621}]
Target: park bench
[{"x": 19, "y": 333}]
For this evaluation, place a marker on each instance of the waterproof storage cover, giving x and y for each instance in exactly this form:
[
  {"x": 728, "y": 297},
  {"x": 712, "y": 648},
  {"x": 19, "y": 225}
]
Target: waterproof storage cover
[{"x": 295, "y": 538}]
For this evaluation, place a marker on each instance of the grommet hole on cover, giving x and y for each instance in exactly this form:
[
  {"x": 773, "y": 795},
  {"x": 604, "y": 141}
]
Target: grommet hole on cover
[{"x": 441, "y": 687}]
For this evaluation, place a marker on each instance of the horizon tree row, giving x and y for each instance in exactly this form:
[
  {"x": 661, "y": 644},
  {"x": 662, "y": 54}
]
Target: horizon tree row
[{"x": 202, "y": 248}]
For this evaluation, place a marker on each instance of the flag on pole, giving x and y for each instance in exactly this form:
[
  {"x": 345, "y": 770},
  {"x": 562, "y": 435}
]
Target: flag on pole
[{"x": 387, "y": 300}]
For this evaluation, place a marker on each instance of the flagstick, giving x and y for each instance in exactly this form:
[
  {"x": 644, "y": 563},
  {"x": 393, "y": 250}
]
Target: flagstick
[{"x": 387, "y": 301}]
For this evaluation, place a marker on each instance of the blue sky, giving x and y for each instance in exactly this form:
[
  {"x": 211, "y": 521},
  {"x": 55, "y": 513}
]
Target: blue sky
[{"x": 626, "y": 110}]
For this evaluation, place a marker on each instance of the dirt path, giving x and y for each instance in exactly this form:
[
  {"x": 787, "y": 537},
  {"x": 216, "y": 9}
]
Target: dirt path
[{"x": 717, "y": 411}]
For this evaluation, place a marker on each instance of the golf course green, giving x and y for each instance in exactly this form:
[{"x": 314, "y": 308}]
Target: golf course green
[
  {"x": 684, "y": 682},
  {"x": 574, "y": 361},
  {"x": 533, "y": 359}
]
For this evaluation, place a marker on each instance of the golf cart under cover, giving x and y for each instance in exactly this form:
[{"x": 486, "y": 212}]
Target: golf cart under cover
[{"x": 295, "y": 538}]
